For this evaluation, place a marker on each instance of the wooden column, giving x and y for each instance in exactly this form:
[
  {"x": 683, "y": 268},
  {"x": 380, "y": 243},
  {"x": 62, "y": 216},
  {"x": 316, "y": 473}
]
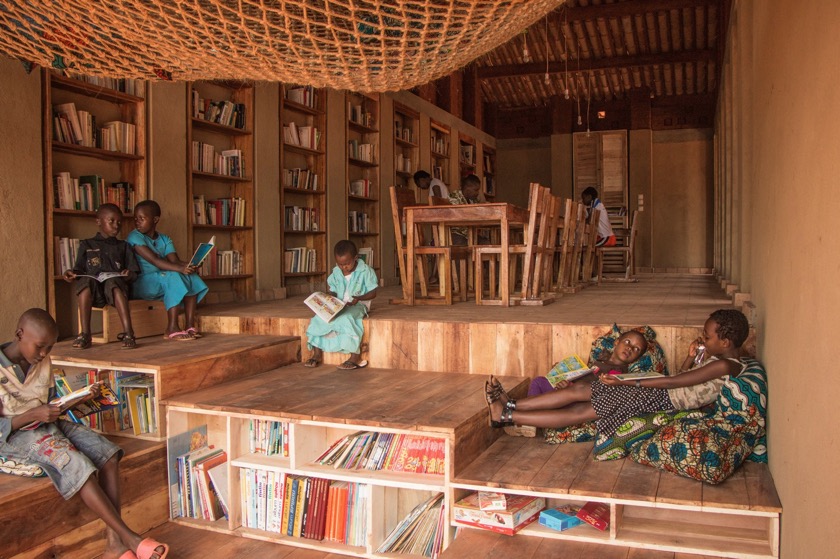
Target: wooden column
[{"x": 456, "y": 94}]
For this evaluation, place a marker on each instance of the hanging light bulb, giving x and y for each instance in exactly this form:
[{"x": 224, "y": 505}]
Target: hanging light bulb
[
  {"x": 526, "y": 54},
  {"x": 566, "y": 93},
  {"x": 565, "y": 57},
  {"x": 580, "y": 119},
  {"x": 548, "y": 80}
]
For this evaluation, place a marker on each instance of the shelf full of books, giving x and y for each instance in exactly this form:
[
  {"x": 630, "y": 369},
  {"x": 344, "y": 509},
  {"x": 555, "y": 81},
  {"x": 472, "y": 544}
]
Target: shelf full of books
[
  {"x": 406, "y": 146},
  {"x": 303, "y": 483},
  {"x": 220, "y": 181},
  {"x": 488, "y": 176},
  {"x": 466, "y": 155},
  {"x": 440, "y": 142},
  {"x": 303, "y": 188},
  {"x": 94, "y": 149},
  {"x": 363, "y": 172}
]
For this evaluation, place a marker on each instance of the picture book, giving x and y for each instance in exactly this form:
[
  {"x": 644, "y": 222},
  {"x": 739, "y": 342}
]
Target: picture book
[
  {"x": 634, "y": 376},
  {"x": 202, "y": 251},
  {"x": 101, "y": 276},
  {"x": 571, "y": 368},
  {"x": 596, "y": 514},
  {"x": 219, "y": 478},
  {"x": 74, "y": 398},
  {"x": 324, "y": 305},
  {"x": 177, "y": 446}
]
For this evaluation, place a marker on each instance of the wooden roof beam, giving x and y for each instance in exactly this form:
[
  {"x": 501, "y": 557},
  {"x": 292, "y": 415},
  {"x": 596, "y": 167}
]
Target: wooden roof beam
[
  {"x": 629, "y": 8},
  {"x": 512, "y": 70}
]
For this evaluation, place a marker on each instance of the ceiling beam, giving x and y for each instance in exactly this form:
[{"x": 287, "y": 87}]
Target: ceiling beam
[
  {"x": 629, "y": 8},
  {"x": 513, "y": 70}
]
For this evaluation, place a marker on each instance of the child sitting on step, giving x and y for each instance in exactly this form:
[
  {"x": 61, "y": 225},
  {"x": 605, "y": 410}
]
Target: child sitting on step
[
  {"x": 611, "y": 402},
  {"x": 76, "y": 459},
  {"x": 162, "y": 274},
  {"x": 354, "y": 282}
]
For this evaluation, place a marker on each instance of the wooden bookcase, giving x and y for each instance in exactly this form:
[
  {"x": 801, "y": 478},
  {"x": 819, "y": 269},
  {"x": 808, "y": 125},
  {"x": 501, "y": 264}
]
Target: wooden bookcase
[
  {"x": 220, "y": 160},
  {"x": 406, "y": 148},
  {"x": 440, "y": 146},
  {"x": 466, "y": 155},
  {"x": 488, "y": 177},
  {"x": 363, "y": 173},
  {"x": 85, "y": 159},
  {"x": 303, "y": 188}
]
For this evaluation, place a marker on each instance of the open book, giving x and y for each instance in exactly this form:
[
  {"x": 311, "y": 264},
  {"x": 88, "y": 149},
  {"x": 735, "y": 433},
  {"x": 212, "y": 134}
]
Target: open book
[
  {"x": 634, "y": 376},
  {"x": 101, "y": 276},
  {"x": 73, "y": 399},
  {"x": 571, "y": 368},
  {"x": 202, "y": 251},
  {"x": 324, "y": 305}
]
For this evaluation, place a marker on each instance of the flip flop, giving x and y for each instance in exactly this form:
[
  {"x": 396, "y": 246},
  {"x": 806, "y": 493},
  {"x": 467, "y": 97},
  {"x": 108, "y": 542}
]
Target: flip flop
[
  {"x": 193, "y": 332},
  {"x": 182, "y": 336},
  {"x": 148, "y": 548},
  {"x": 311, "y": 362},
  {"x": 350, "y": 365}
]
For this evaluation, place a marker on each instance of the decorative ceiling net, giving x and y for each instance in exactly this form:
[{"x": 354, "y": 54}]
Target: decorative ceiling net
[{"x": 362, "y": 45}]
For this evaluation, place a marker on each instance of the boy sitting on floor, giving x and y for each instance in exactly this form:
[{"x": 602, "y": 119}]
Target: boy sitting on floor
[{"x": 76, "y": 459}]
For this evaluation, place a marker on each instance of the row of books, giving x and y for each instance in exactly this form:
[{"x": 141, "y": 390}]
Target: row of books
[
  {"x": 366, "y": 450},
  {"x": 304, "y": 507},
  {"x": 488, "y": 165},
  {"x": 124, "y": 85},
  {"x": 299, "y": 218},
  {"x": 303, "y": 95},
  {"x": 88, "y": 192},
  {"x": 440, "y": 145},
  {"x": 300, "y": 260},
  {"x": 78, "y": 127},
  {"x": 270, "y": 438},
  {"x": 83, "y": 412},
  {"x": 226, "y": 113},
  {"x": 359, "y": 115},
  {"x": 223, "y": 263},
  {"x": 307, "y": 137},
  {"x": 202, "y": 475},
  {"x": 206, "y": 159},
  {"x": 65, "y": 250},
  {"x": 421, "y": 532},
  {"x": 403, "y": 132},
  {"x": 359, "y": 222},
  {"x": 404, "y": 163},
  {"x": 220, "y": 211},
  {"x": 468, "y": 154},
  {"x": 361, "y": 152},
  {"x": 300, "y": 178},
  {"x": 361, "y": 187}
]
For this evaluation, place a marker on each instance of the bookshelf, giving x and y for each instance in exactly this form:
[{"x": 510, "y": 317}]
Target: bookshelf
[
  {"x": 303, "y": 188},
  {"x": 406, "y": 148},
  {"x": 94, "y": 146},
  {"x": 363, "y": 173},
  {"x": 488, "y": 177},
  {"x": 466, "y": 155},
  {"x": 220, "y": 123},
  {"x": 439, "y": 146}
]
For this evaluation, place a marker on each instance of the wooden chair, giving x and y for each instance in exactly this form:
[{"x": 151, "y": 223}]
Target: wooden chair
[
  {"x": 574, "y": 226},
  {"x": 589, "y": 249},
  {"x": 461, "y": 254},
  {"x": 627, "y": 251}
]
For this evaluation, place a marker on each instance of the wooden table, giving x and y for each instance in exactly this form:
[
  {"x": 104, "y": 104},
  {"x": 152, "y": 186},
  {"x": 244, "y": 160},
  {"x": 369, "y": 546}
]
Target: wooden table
[{"x": 469, "y": 215}]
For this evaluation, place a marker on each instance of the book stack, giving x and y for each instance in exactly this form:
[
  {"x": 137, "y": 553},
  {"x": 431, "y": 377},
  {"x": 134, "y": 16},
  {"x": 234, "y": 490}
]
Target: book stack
[
  {"x": 225, "y": 113},
  {"x": 421, "y": 532},
  {"x": 440, "y": 145},
  {"x": 123, "y": 85},
  {"x": 64, "y": 252},
  {"x": 270, "y": 438},
  {"x": 223, "y": 263},
  {"x": 300, "y": 260},
  {"x": 403, "y": 163},
  {"x": 360, "y": 187},
  {"x": 118, "y": 136},
  {"x": 221, "y": 211},
  {"x": 307, "y": 137},
  {"x": 366, "y": 450},
  {"x": 521, "y": 510},
  {"x": 138, "y": 393},
  {"x": 198, "y": 497},
  {"x": 358, "y": 115},
  {"x": 303, "y": 179},
  {"x": 304, "y": 95},
  {"x": 297, "y": 218},
  {"x": 360, "y": 152},
  {"x": 229, "y": 162},
  {"x": 358, "y": 222}
]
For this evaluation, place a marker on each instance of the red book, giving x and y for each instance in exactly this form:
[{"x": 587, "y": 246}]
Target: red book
[{"x": 596, "y": 514}]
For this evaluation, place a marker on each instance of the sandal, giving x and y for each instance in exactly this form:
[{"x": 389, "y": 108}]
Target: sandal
[
  {"x": 351, "y": 365},
  {"x": 128, "y": 340},
  {"x": 311, "y": 362},
  {"x": 507, "y": 413},
  {"x": 193, "y": 332},
  {"x": 148, "y": 549},
  {"x": 82, "y": 341},
  {"x": 493, "y": 390},
  {"x": 182, "y": 336}
]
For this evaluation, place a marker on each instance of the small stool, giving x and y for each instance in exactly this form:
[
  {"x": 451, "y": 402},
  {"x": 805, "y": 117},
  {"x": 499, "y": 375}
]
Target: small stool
[{"x": 148, "y": 318}]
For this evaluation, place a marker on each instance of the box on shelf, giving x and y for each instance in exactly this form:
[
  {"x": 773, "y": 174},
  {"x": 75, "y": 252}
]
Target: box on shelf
[
  {"x": 596, "y": 514},
  {"x": 521, "y": 510},
  {"x": 490, "y": 500},
  {"x": 561, "y": 518}
]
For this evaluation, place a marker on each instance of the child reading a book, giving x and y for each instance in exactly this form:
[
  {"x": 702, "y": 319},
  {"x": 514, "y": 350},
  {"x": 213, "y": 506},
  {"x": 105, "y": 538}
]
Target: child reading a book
[
  {"x": 104, "y": 253},
  {"x": 354, "y": 282},
  {"x": 611, "y": 401},
  {"x": 76, "y": 459},
  {"x": 162, "y": 274}
]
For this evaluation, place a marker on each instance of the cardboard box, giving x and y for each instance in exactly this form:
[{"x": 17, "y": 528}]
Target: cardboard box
[
  {"x": 561, "y": 518},
  {"x": 489, "y": 500},
  {"x": 596, "y": 514},
  {"x": 521, "y": 510}
]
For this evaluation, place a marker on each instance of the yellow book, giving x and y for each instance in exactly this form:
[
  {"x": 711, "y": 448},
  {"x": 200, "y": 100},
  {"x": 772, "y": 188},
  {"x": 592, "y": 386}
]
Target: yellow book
[
  {"x": 301, "y": 499},
  {"x": 134, "y": 409},
  {"x": 287, "y": 502}
]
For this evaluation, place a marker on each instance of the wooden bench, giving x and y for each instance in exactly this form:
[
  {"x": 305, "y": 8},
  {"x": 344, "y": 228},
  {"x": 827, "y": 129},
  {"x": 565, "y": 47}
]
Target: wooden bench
[{"x": 148, "y": 318}]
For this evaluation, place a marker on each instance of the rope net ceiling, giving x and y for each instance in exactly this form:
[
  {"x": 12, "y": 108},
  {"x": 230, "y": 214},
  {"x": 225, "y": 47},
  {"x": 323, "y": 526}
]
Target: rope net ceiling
[{"x": 362, "y": 45}]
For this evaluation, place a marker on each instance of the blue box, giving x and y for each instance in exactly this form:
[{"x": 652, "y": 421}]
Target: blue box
[{"x": 560, "y": 518}]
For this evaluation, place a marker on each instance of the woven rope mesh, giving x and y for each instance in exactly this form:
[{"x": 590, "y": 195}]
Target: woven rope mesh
[{"x": 363, "y": 45}]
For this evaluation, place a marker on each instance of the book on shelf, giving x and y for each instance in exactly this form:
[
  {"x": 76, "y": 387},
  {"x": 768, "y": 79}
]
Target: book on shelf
[
  {"x": 304, "y": 179},
  {"x": 521, "y": 510},
  {"x": 360, "y": 187},
  {"x": 420, "y": 532},
  {"x": 560, "y": 518},
  {"x": 79, "y": 403},
  {"x": 226, "y": 113},
  {"x": 219, "y": 478},
  {"x": 139, "y": 394},
  {"x": 595, "y": 514},
  {"x": 178, "y": 445},
  {"x": 202, "y": 251},
  {"x": 324, "y": 305},
  {"x": 206, "y": 501},
  {"x": 300, "y": 260},
  {"x": 303, "y": 95},
  {"x": 569, "y": 369}
]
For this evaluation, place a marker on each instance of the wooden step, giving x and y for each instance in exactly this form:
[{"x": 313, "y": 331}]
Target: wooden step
[{"x": 36, "y": 522}]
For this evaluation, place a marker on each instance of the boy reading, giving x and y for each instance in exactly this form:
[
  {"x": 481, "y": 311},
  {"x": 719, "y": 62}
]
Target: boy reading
[
  {"x": 76, "y": 459},
  {"x": 104, "y": 253},
  {"x": 162, "y": 274}
]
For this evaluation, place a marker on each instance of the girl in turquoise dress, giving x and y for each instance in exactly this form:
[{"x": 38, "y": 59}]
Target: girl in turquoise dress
[{"x": 354, "y": 282}]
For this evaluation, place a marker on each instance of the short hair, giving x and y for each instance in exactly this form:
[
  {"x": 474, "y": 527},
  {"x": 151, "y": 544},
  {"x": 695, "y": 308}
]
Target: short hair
[
  {"x": 346, "y": 248},
  {"x": 39, "y": 319},
  {"x": 471, "y": 179},
  {"x": 108, "y": 208},
  {"x": 590, "y": 191},
  {"x": 420, "y": 175},
  {"x": 732, "y": 325},
  {"x": 641, "y": 337},
  {"x": 151, "y": 205}
]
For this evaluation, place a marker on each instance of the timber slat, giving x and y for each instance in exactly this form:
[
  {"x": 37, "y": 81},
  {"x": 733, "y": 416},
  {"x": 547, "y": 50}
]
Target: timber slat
[
  {"x": 679, "y": 490},
  {"x": 636, "y": 482},
  {"x": 760, "y": 487},
  {"x": 562, "y": 467},
  {"x": 597, "y": 478},
  {"x": 732, "y": 493}
]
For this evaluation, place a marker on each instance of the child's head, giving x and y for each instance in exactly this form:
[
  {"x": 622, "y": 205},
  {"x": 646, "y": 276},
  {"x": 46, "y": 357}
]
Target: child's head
[
  {"x": 471, "y": 186},
  {"x": 629, "y": 347},
  {"x": 588, "y": 195},
  {"x": 109, "y": 220},
  {"x": 725, "y": 329},
  {"x": 36, "y": 335},
  {"x": 346, "y": 256},
  {"x": 146, "y": 216},
  {"x": 422, "y": 179}
]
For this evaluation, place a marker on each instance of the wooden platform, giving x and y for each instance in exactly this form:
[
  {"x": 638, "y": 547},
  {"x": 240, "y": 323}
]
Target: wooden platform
[{"x": 36, "y": 522}]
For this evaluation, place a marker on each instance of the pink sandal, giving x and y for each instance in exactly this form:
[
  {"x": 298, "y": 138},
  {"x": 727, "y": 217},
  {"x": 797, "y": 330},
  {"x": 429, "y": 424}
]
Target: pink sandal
[{"x": 148, "y": 548}]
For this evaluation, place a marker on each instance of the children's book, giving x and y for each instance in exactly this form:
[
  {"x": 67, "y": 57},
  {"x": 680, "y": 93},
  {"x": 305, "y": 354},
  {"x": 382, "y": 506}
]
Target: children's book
[
  {"x": 634, "y": 376},
  {"x": 596, "y": 514},
  {"x": 73, "y": 399},
  {"x": 202, "y": 251},
  {"x": 570, "y": 368},
  {"x": 324, "y": 305},
  {"x": 219, "y": 477},
  {"x": 101, "y": 276}
]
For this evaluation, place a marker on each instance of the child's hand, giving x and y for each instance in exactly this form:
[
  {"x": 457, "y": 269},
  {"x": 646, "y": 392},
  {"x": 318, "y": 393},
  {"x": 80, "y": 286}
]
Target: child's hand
[
  {"x": 692, "y": 348},
  {"x": 95, "y": 390},
  {"x": 189, "y": 269},
  {"x": 353, "y": 301},
  {"x": 610, "y": 380},
  {"x": 562, "y": 384},
  {"x": 69, "y": 276},
  {"x": 46, "y": 413},
  {"x": 125, "y": 273}
]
